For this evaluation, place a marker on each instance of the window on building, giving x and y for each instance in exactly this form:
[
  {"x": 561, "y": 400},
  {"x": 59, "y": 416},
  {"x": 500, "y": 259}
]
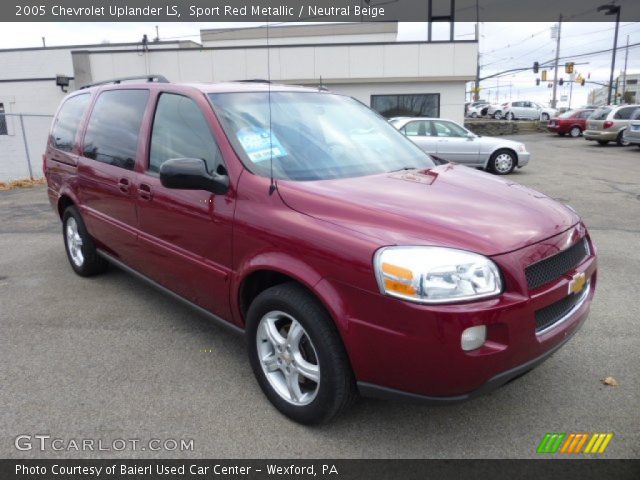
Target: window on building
[
  {"x": 3, "y": 121},
  {"x": 180, "y": 130},
  {"x": 68, "y": 120},
  {"x": 632, "y": 81},
  {"x": 112, "y": 132},
  {"x": 413, "y": 105}
]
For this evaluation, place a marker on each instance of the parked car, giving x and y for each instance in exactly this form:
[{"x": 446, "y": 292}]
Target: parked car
[
  {"x": 573, "y": 122},
  {"x": 607, "y": 124},
  {"x": 474, "y": 111},
  {"x": 300, "y": 218},
  {"x": 452, "y": 142},
  {"x": 520, "y": 110},
  {"x": 631, "y": 134}
]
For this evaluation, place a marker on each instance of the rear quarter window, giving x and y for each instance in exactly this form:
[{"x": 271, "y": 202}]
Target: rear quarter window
[
  {"x": 114, "y": 126},
  {"x": 66, "y": 124},
  {"x": 624, "y": 113}
]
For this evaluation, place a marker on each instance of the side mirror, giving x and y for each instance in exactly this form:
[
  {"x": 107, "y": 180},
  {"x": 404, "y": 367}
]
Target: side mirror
[{"x": 192, "y": 174}]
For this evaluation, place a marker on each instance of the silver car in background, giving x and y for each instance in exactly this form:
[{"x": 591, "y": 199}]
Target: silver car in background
[
  {"x": 446, "y": 140},
  {"x": 631, "y": 134},
  {"x": 608, "y": 123}
]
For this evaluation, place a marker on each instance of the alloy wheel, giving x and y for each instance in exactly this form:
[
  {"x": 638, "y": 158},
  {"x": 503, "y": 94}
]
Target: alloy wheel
[
  {"x": 74, "y": 242},
  {"x": 288, "y": 358},
  {"x": 574, "y": 132},
  {"x": 503, "y": 163}
]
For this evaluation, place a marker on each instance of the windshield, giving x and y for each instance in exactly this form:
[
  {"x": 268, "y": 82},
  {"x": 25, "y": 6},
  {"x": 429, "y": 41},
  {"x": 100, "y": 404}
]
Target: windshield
[{"x": 313, "y": 136}]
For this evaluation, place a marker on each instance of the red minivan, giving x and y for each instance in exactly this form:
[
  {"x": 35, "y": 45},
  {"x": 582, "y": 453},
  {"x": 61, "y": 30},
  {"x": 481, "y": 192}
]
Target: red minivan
[{"x": 351, "y": 262}]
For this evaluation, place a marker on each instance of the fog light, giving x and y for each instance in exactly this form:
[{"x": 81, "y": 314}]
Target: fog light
[{"x": 473, "y": 337}]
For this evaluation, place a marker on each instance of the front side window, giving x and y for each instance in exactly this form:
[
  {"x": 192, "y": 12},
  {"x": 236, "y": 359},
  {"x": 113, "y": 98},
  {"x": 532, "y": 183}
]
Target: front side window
[
  {"x": 3, "y": 121},
  {"x": 112, "y": 132},
  {"x": 67, "y": 122},
  {"x": 414, "y": 105},
  {"x": 313, "y": 136},
  {"x": 448, "y": 129},
  {"x": 180, "y": 130}
]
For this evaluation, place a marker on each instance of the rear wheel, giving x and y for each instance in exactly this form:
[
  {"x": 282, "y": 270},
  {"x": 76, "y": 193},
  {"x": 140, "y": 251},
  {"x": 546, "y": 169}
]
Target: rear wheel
[
  {"x": 545, "y": 117},
  {"x": 297, "y": 355},
  {"x": 575, "y": 132},
  {"x": 80, "y": 248},
  {"x": 473, "y": 115},
  {"x": 497, "y": 115},
  {"x": 621, "y": 141},
  {"x": 502, "y": 162}
]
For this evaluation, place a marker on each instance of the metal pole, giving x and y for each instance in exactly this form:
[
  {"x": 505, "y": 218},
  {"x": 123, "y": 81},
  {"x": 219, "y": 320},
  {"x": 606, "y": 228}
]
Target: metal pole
[
  {"x": 624, "y": 72},
  {"x": 555, "y": 75},
  {"x": 477, "y": 95},
  {"x": 26, "y": 147},
  {"x": 571, "y": 93},
  {"x": 613, "y": 55}
]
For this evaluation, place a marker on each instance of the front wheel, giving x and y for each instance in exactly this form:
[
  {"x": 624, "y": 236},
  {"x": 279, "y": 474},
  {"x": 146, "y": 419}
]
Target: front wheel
[
  {"x": 502, "y": 162},
  {"x": 81, "y": 251},
  {"x": 297, "y": 355},
  {"x": 575, "y": 132},
  {"x": 497, "y": 115},
  {"x": 473, "y": 115}
]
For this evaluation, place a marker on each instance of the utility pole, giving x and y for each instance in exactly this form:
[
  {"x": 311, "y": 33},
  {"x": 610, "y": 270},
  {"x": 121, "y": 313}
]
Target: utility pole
[
  {"x": 476, "y": 97},
  {"x": 555, "y": 74},
  {"x": 612, "y": 10},
  {"x": 624, "y": 72}
]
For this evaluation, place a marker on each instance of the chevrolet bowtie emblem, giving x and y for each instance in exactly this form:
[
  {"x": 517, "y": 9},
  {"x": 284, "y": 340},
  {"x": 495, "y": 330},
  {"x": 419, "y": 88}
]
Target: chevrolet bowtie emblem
[{"x": 577, "y": 283}]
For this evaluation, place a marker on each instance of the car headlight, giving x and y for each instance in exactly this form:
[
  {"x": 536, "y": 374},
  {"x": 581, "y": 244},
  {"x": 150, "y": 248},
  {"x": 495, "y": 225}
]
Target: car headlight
[
  {"x": 435, "y": 274},
  {"x": 521, "y": 148}
]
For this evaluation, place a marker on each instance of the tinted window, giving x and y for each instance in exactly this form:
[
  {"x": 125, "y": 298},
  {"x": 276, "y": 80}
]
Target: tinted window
[
  {"x": 68, "y": 120},
  {"x": 600, "y": 114},
  {"x": 112, "y": 133},
  {"x": 419, "y": 105},
  {"x": 624, "y": 113},
  {"x": 636, "y": 114},
  {"x": 586, "y": 114},
  {"x": 419, "y": 128},
  {"x": 180, "y": 130}
]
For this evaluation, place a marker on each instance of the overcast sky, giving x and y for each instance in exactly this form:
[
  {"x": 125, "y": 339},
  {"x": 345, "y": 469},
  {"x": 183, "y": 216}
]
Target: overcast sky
[{"x": 502, "y": 46}]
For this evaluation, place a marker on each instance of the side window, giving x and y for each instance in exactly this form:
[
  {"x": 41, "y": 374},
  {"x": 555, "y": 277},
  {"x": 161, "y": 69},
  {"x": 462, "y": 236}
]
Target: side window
[
  {"x": 448, "y": 129},
  {"x": 586, "y": 114},
  {"x": 517, "y": 104},
  {"x": 3, "y": 121},
  {"x": 112, "y": 132},
  {"x": 624, "y": 113},
  {"x": 180, "y": 130},
  {"x": 67, "y": 122},
  {"x": 636, "y": 114},
  {"x": 417, "y": 128}
]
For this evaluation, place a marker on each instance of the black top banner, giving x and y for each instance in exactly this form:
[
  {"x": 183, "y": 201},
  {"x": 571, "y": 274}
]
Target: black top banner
[{"x": 316, "y": 10}]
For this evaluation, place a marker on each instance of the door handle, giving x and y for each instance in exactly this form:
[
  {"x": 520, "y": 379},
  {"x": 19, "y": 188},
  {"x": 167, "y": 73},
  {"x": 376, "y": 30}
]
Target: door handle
[
  {"x": 144, "y": 191},
  {"x": 123, "y": 185}
]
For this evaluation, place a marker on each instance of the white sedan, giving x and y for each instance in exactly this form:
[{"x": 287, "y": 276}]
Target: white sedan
[{"x": 446, "y": 140}]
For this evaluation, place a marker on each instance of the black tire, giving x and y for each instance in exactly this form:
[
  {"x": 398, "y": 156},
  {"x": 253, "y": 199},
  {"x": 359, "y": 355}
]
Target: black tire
[
  {"x": 494, "y": 167},
  {"x": 603, "y": 142},
  {"x": 575, "y": 132},
  {"x": 620, "y": 141},
  {"x": 92, "y": 263},
  {"x": 336, "y": 390},
  {"x": 497, "y": 115}
]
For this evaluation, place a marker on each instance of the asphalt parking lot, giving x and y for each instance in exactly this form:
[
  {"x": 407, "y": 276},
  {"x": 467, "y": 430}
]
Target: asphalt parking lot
[{"x": 112, "y": 358}]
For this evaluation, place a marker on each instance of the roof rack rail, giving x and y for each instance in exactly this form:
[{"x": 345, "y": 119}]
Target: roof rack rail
[
  {"x": 148, "y": 78},
  {"x": 252, "y": 80}
]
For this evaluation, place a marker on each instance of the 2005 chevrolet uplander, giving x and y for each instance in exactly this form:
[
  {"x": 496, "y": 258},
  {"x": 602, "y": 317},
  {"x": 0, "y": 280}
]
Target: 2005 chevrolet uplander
[{"x": 352, "y": 262}]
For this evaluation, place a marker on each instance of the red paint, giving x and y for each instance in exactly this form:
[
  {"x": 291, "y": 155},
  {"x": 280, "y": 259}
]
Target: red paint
[
  {"x": 324, "y": 235},
  {"x": 564, "y": 125}
]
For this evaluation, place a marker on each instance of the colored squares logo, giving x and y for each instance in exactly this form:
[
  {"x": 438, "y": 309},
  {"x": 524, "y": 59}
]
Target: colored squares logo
[{"x": 574, "y": 442}]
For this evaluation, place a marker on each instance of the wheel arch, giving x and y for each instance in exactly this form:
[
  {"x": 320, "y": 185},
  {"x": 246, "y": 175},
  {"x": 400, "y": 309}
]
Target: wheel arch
[
  {"x": 65, "y": 200},
  {"x": 500, "y": 149}
]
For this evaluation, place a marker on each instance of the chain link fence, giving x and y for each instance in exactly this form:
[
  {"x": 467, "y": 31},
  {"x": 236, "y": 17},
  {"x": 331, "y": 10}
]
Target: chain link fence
[{"x": 23, "y": 138}]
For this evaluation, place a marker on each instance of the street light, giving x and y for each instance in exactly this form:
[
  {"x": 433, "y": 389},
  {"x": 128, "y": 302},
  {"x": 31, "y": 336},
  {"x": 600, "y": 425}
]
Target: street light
[{"x": 612, "y": 10}]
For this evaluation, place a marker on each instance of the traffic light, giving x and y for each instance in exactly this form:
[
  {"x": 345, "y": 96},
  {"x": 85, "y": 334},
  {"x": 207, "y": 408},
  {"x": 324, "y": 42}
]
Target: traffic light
[
  {"x": 582, "y": 82},
  {"x": 568, "y": 67},
  {"x": 544, "y": 75},
  {"x": 536, "y": 67},
  {"x": 561, "y": 81},
  {"x": 537, "y": 81}
]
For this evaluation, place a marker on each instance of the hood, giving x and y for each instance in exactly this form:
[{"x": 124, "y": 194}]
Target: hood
[
  {"x": 501, "y": 142},
  {"x": 449, "y": 205}
]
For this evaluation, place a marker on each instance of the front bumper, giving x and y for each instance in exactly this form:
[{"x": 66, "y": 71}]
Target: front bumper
[
  {"x": 632, "y": 136},
  {"x": 523, "y": 159},
  {"x": 603, "y": 135},
  {"x": 398, "y": 348}
]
